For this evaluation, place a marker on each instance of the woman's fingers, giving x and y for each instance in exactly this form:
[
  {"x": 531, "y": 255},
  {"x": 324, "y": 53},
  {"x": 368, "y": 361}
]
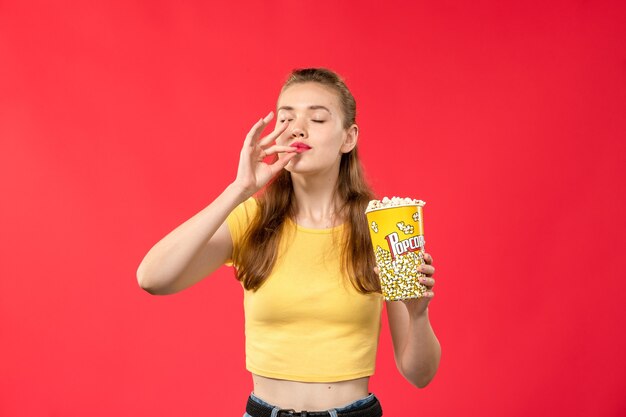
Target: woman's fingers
[
  {"x": 278, "y": 148},
  {"x": 281, "y": 163},
  {"x": 278, "y": 130},
  {"x": 255, "y": 132},
  {"x": 427, "y": 258},
  {"x": 428, "y": 282},
  {"x": 426, "y": 269},
  {"x": 252, "y": 138}
]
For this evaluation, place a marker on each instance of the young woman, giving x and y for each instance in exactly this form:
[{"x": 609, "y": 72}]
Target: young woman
[{"x": 302, "y": 252}]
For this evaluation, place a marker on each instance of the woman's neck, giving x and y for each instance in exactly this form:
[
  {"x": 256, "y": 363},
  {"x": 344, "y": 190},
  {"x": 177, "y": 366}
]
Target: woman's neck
[{"x": 316, "y": 200}]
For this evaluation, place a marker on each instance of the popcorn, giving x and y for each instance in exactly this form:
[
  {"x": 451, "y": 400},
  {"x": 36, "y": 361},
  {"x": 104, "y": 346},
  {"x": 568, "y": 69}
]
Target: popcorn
[
  {"x": 393, "y": 202},
  {"x": 400, "y": 278},
  {"x": 397, "y": 234}
]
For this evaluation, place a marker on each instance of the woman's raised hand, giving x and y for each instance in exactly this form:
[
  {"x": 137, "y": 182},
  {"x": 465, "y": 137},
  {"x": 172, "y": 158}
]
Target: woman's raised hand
[{"x": 253, "y": 173}]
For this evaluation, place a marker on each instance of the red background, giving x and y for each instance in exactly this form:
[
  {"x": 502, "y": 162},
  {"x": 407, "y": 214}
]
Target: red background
[{"x": 119, "y": 121}]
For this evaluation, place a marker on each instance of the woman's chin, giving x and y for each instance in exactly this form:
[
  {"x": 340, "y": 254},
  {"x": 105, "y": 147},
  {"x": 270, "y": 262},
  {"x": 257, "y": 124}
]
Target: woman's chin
[{"x": 295, "y": 166}]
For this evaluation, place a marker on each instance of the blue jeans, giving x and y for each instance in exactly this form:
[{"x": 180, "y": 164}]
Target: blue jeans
[{"x": 332, "y": 411}]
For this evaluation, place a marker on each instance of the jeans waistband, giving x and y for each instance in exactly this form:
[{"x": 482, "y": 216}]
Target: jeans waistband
[{"x": 366, "y": 407}]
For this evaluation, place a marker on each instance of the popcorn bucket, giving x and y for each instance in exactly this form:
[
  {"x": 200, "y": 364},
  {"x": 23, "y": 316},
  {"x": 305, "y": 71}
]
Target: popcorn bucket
[{"x": 397, "y": 232}]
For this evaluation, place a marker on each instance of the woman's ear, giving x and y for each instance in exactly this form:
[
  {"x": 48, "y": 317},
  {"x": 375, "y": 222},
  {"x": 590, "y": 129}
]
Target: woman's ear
[{"x": 352, "y": 136}]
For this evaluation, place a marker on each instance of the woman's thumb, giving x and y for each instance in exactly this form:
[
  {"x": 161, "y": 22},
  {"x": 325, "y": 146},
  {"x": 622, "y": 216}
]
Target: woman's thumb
[{"x": 282, "y": 162}]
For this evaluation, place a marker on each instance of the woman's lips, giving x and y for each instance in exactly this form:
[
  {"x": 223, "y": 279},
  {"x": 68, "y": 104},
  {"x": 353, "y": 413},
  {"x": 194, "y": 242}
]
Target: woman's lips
[{"x": 300, "y": 147}]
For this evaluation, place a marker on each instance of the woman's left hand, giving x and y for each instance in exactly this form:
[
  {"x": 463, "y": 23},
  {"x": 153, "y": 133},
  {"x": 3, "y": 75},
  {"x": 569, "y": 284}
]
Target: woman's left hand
[{"x": 418, "y": 306}]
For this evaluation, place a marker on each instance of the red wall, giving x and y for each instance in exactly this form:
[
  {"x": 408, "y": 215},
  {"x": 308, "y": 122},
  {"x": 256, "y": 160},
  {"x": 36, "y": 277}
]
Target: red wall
[{"x": 120, "y": 120}]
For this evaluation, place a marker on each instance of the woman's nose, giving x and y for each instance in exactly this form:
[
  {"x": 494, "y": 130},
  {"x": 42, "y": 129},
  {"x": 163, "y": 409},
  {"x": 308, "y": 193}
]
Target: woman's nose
[{"x": 297, "y": 132}]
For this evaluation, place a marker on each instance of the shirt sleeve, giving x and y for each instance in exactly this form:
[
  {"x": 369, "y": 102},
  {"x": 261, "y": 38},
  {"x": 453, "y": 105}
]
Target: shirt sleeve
[{"x": 238, "y": 222}]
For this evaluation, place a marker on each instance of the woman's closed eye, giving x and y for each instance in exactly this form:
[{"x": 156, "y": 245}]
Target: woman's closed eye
[{"x": 314, "y": 120}]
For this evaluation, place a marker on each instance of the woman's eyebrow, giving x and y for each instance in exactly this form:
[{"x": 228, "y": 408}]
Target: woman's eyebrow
[{"x": 313, "y": 107}]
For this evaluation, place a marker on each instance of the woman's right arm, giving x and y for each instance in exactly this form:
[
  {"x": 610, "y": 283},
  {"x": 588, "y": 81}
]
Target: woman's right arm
[
  {"x": 196, "y": 248},
  {"x": 193, "y": 250}
]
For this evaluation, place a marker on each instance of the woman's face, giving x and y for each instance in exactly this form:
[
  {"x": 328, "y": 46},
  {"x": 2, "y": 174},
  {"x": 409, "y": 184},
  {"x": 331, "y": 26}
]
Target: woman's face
[{"x": 316, "y": 125}]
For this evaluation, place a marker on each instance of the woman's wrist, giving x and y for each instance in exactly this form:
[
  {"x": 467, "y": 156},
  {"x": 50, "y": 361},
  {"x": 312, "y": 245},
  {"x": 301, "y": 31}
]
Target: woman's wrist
[
  {"x": 419, "y": 315},
  {"x": 240, "y": 191}
]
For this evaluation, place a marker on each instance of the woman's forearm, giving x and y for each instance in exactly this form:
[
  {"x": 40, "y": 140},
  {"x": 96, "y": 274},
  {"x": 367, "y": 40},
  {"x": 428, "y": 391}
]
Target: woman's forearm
[
  {"x": 173, "y": 263},
  {"x": 421, "y": 355}
]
